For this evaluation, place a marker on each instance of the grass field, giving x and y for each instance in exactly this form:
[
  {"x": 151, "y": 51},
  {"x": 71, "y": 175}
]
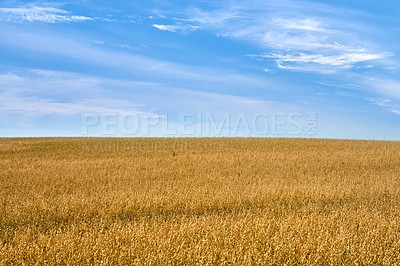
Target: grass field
[{"x": 207, "y": 200}]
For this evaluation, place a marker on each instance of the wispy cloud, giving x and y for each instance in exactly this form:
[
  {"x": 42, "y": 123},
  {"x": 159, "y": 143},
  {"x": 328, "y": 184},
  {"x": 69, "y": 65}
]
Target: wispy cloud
[
  {"x": 34, "y": 93},
  {"x": 37, "y": 106},
  {"x": 308, "y": 24},
  {"x": 320, "y": 39},
  {"x": 214, "y": 18},
  {"x": 379, "y": 101},
  {"x": 388, "y": 87},
  {"x": 55, "y": 44},
  {"x": 38, "y": 92},
  {"x": 389, "y": 91},
  {"x": 176, "y": 28},
  {"x": 387, "y": 104},
  {"x": 397, "y": 111},
  {"x": 319, "y": 62},
  {"x": 39, "y": 14}
]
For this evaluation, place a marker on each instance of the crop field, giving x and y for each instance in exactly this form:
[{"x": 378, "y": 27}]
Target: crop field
[{"x": 199, "y": 201}]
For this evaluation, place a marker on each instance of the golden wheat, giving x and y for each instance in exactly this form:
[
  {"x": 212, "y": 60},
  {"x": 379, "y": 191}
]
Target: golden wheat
[{"x": 199, "y": 201}]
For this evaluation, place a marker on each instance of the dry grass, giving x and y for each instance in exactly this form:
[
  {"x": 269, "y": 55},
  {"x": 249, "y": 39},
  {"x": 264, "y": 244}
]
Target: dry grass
[{"x": 185, "y": 201}]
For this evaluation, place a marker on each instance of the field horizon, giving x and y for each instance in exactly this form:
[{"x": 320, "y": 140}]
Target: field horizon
[{"x": 84, "y": 200}]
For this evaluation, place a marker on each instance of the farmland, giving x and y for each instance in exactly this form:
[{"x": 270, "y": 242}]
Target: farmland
[{"x": 199, "y": 200}]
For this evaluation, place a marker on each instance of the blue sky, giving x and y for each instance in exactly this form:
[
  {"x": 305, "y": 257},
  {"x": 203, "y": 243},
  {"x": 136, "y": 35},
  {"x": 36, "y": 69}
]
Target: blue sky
[{"x": 200, "y": 68}]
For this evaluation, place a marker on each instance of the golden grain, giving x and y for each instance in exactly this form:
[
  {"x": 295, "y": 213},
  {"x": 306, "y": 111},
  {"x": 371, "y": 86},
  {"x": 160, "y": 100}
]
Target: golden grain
[{"x": 199, "y": 201}]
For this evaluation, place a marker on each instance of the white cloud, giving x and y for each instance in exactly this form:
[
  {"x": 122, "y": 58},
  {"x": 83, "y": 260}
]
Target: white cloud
[
  {"x": 38, "y": 106},
  {"x": 34, "y": 93},
  {"x": 308, "y": 24},
  {"x": 388, "y": 87},
  {"x": 335, "y": 60},
  {"x": 199, "y": 19},
  {"x": 379, "y": 101},
  {"x": 307, "y": 45},
  {"x": 303, "y": 37},
  {"x": 176, "y": 28},
  {"x": 320, "y": 62},
  {"x": 56, "y": 44},
  {"x": 38, "y": 92},
  {"x": 397, "y": 112},
  {"x": 387, "y": 104},
  {"x": 39, "y": 14},
  {"x": 213, "y": 18},
  {"x": 10, "y": 77}
]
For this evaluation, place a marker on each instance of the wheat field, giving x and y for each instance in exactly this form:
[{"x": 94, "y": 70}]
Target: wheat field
[{"x": 199, "y": 201}]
